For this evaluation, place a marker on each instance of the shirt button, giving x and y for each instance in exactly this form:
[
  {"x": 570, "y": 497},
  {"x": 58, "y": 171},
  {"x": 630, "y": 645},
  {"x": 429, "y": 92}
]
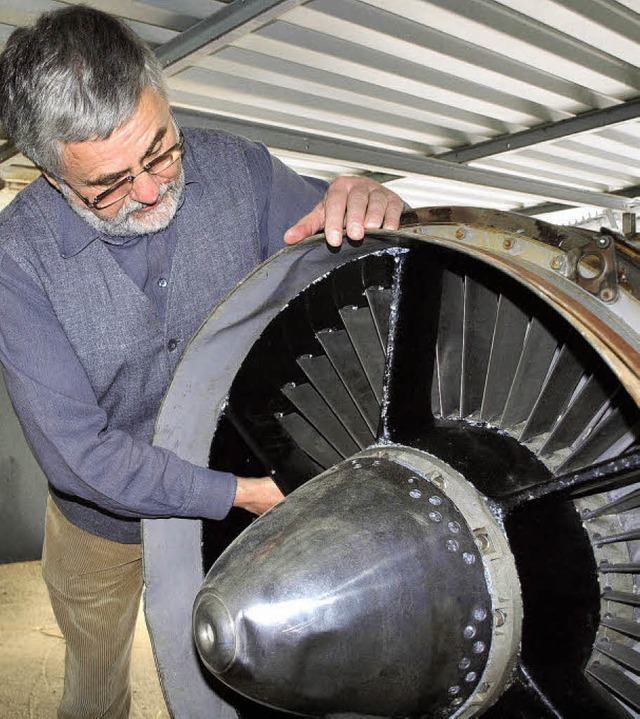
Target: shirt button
[
  {"x": 162, "y": 282},
  {"x": 171, "y": 345}
]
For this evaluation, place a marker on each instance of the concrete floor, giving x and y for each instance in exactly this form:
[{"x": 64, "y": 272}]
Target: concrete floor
[{"x": 32, "y": 652}]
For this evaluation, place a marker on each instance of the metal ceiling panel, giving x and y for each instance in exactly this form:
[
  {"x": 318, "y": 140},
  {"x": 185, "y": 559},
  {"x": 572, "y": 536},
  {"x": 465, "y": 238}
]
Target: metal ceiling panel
[{"x": 546, "y": 92}]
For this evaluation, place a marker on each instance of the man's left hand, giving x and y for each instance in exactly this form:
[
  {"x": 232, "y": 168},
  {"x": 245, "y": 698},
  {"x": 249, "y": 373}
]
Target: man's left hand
[{"x": 353, "y": 203}]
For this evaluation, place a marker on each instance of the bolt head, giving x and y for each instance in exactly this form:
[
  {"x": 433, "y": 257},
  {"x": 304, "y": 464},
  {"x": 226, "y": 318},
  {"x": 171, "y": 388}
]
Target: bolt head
[
  {"x": 482, "y": 540},
  {"x": 500, "y": 618},
  {"x": 438, "y": 480}
]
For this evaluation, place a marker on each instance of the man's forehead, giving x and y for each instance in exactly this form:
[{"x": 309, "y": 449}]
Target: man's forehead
[{"x": 127, "y": 146}]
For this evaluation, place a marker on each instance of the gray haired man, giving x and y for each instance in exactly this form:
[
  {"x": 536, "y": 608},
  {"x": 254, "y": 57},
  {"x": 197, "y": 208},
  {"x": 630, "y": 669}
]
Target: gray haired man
[{"x": 108, "y": 264}]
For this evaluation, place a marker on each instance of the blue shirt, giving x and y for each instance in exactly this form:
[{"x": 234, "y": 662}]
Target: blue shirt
[{"x": 50, "y": 389}]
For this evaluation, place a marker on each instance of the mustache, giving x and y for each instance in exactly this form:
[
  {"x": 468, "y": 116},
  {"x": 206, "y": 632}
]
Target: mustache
[{"x": 133, "y": 205}]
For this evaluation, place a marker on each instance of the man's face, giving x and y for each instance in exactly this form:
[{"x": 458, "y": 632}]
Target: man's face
[{"x": 93, "y": 166}]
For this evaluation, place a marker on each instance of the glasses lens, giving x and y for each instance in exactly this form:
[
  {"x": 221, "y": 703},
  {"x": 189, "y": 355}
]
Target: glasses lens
[
  {"x": 113, "y": 194},
  {"x": 164, "y": 162}
]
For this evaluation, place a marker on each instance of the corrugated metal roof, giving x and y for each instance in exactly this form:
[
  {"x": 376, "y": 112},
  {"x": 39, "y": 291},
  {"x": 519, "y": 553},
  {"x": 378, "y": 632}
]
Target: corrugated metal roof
[{"x": 544, "y": 92}]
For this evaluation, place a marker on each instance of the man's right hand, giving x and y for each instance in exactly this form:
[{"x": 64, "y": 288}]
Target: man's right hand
[{"x": 256, "y": 494}]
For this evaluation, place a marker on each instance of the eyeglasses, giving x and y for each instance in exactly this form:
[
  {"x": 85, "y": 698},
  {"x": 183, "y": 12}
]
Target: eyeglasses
[{"x": 122, "y": 188}]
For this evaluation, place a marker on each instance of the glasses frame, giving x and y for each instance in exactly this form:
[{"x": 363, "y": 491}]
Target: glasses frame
[{"x": 94, "y": 204}]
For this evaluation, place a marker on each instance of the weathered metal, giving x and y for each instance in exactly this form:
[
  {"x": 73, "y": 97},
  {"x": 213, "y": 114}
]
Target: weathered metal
[{"x": 489, "y": 366}]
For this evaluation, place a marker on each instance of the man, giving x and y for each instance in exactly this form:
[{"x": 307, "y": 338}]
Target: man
[{"x": 108, "y": 264}]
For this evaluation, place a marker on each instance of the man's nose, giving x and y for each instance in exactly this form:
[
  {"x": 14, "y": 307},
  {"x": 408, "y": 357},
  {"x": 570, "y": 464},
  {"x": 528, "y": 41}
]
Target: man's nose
[{"x": 145, "y": 188}]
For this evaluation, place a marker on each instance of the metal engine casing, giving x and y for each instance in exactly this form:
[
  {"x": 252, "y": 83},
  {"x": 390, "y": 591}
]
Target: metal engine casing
[{"x": 578, "y": 278}]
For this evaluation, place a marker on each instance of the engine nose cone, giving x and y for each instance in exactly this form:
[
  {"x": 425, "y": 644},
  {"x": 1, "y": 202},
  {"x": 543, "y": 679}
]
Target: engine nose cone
[
  {"x": 364, "y": 592},
  {"x": 214, "y": 632}
]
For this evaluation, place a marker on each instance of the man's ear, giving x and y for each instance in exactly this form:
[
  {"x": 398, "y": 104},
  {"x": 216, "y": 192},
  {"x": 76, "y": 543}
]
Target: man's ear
[{"x": 51, "y": 180}]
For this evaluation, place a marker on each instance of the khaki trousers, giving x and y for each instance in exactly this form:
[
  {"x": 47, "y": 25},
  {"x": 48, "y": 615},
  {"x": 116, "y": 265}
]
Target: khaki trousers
[{"x": 94, "y": 586}]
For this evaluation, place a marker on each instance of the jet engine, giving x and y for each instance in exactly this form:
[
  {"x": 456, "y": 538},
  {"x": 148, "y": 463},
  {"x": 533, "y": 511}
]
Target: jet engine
[{"x": 452, "y": 413}]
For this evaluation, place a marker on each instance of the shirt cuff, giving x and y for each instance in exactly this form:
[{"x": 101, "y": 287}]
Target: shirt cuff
[{"x": 212, "y": 496}]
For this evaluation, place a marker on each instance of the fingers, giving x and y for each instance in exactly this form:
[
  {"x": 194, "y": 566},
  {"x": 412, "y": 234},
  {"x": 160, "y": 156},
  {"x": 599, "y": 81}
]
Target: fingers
[
  {"x": 357, "y": 204},
  {"x": 354, "y": 204},
  {"x": 306, "y": 226},
  {"x": 394, "y": 209},
  {"x": 337, "y": 200}
]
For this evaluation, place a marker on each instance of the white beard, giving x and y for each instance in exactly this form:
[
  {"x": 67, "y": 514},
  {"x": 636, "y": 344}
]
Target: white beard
[{"x": 125, "y": 224}]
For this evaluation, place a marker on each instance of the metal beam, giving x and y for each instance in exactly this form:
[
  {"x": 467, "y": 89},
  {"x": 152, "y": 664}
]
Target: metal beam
[
  {"x": 218, "y": 30},
  {"x": 387, "y": 161},
  {"x": 543, "y": 208},
  {"x": 546, "y": 207},
  {"x": 584, "y": 122}
]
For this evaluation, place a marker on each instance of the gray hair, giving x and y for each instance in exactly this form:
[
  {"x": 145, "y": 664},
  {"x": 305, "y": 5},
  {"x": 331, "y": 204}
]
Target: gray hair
[{"x": 77, "y": 74}]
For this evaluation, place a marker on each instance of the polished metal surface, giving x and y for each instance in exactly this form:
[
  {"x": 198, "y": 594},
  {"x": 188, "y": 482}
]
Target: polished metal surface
[{"x": 365, "y": 591}]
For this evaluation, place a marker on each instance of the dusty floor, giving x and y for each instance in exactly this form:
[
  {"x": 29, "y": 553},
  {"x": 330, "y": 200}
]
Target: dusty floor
[{"x": 32, "y": 652}]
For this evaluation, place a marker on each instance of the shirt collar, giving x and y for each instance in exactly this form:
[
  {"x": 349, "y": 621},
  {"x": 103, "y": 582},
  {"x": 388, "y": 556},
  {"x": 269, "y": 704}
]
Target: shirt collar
[{"x": 77, "y": 235}]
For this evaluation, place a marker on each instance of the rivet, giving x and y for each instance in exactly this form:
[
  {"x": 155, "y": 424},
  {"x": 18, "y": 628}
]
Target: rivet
[
  {"x": 471, "y": 677},
  {"x": 469, "y": 632},
  {"x": 556, "y": 262},
  {"x": 464, "y": 663},
  {"x": 479, "y": 614},
  {"x": 478, "y": 647},
  {"x": 436, "y": 501},
  {"x": 457, "y": 701},
  {"x": 454, "y": 527},
  {"x": 455, "y": 689},
  {"x": 461, "y": 233},
  {"x": 507, "y": 244},
  {"x": 606, "y": 294},
  {"x": 452, "y": 545},
  {"x": 435, "y": 516},
  {"x": 468, "y": 558},
  {"x": 415, "y": 493}
]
